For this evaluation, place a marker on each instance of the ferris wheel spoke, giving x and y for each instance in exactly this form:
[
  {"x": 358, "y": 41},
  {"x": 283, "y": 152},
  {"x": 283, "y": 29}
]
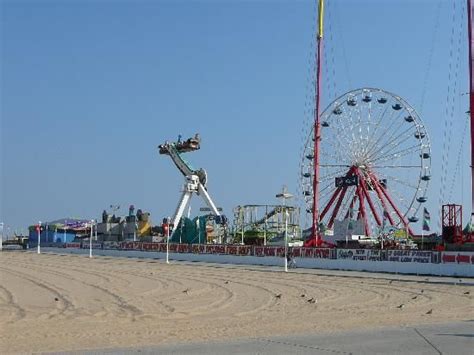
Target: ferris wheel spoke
[
  {"x": 397, "y": 154},
  {"x": 333, "y": 159},
  {"x": 397, "y": 167},
  {"x": 393, "y": 141},
  {"x": 333, "y": 174},
  {"x": 344, "y": 137},
  {"x": 400, "y": 146},
  {"x": 402, "y": 201},
  {"x": 396, "y": 138},
  {"x": 380, "y": 121},
  {"x": 337, "y": 150},
  {"x": 398, "y": 180},
  {"x": 383, "y": 134}
]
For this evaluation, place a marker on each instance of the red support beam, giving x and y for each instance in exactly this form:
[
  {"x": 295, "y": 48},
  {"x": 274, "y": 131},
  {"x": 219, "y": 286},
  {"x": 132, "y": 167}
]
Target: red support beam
[
  {"x": 470, "y": 14},
  {"x": 378, "y": 188},
  {"x": 317, "y": 125},
  {"x": 395, "y": 208},
  {"x": 335, "y": 194},
  {"x": 329, "y": 204},
  {"x": 369, "y": 200},
  {"x": 362, "y": 213},
  {"x": 337, "y": 207}
]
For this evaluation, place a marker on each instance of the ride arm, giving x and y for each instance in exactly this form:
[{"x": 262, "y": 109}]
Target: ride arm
[
  {"x": 190, "y": 187},
  {"x": 180, "y": 163},
  {"x": 203, "y": 192}
]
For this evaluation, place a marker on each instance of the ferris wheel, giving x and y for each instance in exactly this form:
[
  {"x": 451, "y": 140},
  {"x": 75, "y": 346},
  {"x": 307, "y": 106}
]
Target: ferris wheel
[{"x": 375, "y": 161}]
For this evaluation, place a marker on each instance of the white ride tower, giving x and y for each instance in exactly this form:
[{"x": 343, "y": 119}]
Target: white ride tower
[{"x": 195, "y": 180}]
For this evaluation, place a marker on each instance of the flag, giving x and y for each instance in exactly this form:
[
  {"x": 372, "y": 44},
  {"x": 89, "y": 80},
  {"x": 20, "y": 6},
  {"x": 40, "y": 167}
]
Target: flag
[{"x": 426, "y": 220}]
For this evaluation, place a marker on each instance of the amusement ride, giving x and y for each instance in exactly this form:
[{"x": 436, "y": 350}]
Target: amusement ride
[
  {"x": 195, "y": 180},
  {"x": 367, "y": 158},
  {"x": 375, "y": 161}
]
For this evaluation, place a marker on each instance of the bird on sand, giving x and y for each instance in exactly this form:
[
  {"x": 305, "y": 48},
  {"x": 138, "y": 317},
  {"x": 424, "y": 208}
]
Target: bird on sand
[
  {"x": 186, "y": 291},
  {"x": 430, "y": 311},
  {"x": 414, "y": 297},
  {"x": 278, "y": 296},
  {"x": 467, "y": 293},
  {"x": 311, "y": 300},
  {"x": 401, "y": 306}
]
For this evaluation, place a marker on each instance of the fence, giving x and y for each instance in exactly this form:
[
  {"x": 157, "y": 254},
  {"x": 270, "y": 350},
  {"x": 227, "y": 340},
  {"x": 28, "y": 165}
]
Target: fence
[{"x": 375, "y": 255}]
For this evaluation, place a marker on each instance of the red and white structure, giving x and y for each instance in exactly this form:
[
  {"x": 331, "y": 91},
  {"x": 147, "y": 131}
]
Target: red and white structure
[
  {"x": 470, "y": 15},
  {"x": 366, "y": 158},
  {"x": 374, "y": 162}
]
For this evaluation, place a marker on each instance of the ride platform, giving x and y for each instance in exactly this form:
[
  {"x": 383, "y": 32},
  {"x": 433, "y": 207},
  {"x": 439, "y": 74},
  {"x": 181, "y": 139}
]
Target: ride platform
[{"x": 190, "y": 145}]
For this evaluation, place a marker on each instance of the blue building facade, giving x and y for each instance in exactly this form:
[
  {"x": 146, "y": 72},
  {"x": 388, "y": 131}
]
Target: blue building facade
[{"x": 51, "y": 236}]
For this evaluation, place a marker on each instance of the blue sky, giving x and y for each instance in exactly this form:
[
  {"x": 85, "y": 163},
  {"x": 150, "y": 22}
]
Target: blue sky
[{"x": 90, "y": 88}]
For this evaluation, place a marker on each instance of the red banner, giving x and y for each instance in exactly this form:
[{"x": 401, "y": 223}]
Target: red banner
[
  {"x": 72, "y": 245},
  {"x": 457, "y": 257},
  {"x": 322, "y": 253},
  {"x": 245, "y": 250}
]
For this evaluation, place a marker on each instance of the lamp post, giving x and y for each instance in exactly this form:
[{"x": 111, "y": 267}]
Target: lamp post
[
  {"x": 286, "y": 240},
  {"x": 39, "y": 237},
  {"x": 135, "y": 227},
  {"x": 285, "y": 195},
  {"x": 64, "y": 231},
  {"x": 265, "y": 226},
  {"x": 168, "y": 240},
  {"x": 1, "y": 236},
  {"x": 90, "y": 239},
  {"x": 198, "y": 230}
]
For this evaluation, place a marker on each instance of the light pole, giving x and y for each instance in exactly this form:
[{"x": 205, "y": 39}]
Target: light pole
[
  {"x": 64, "y": 231},
  {"x": 198, "y": 230},
  {"x": 1, "y": 236},
  {"x": 168, "y": 240},
  {"x": 285, "y": 195},
  {"x": 265, "y": 227},
  {"x": 90, "y": 239},
  {"x": 243, "y": 221},
  {"x": 39, "y": 237},
  {"x": 286, "y": 240}
]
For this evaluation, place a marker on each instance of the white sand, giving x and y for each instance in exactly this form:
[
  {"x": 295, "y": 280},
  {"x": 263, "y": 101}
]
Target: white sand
[{"x": 57, "y": 303}]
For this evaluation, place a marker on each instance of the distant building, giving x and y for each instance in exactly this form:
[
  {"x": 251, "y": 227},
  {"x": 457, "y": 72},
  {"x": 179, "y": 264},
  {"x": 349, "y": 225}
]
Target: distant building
[{"x": 63, "y": 230}]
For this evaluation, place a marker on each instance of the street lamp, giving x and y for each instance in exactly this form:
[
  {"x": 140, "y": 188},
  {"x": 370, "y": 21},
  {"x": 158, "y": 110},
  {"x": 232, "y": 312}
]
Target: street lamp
[
  {"x": 39, "y": 237},
  {"x": 1, "y": 236},
  {"x": 64, "y": 231},
  {"x": 90, "y": 239},
  {"x": 285, "y": 195},
  {"x": 168, "y": 239}
]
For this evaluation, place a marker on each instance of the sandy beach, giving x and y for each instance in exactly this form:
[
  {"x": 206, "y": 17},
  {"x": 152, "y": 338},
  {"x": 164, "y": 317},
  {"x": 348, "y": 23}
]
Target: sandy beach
[{"x": 68, "y": 302}]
